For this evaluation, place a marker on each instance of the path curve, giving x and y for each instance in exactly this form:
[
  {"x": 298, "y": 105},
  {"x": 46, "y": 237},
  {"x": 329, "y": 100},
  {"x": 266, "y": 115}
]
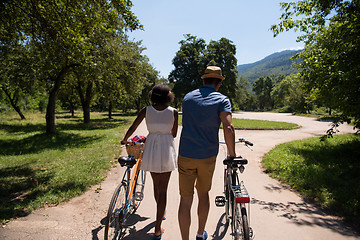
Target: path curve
[{"x": 277, "y": 213}]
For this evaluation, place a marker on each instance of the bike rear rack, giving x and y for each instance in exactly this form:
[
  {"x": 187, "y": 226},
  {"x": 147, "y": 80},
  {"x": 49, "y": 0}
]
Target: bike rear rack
[{"x": 240, "y": 193}]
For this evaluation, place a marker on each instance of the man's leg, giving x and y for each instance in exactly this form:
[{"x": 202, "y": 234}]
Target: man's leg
[
  {"x": 203, "y": 211},
  {"x": 184, "y": 216}
]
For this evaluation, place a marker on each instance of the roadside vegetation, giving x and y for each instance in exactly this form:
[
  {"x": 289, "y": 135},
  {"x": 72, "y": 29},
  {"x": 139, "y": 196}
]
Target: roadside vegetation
[
  {"x": 37, "y": 170},
  {"x": 326, "y": 171},
  {"x": 252, "y": 124}
]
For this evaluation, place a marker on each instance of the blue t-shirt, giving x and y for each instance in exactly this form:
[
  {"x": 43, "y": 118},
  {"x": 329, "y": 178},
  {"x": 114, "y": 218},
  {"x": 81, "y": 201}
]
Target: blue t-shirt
[{"x": 201, "y": 110}]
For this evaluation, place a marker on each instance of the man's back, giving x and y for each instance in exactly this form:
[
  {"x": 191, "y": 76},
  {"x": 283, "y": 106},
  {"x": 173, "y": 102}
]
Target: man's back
[{"x": 201, "y": 122}]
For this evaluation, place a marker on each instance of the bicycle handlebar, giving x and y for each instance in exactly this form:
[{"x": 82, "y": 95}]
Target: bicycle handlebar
[
  {"x": 246, "y": 142},
  {"x": 242, "y": 140}
]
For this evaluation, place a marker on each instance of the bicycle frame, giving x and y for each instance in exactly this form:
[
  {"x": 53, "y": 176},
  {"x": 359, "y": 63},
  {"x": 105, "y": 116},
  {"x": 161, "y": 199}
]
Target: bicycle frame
[
  {"x": 127, "y": 196},
  {"x": 130, "y": 182},
  {"x": 236, "y": 197}
]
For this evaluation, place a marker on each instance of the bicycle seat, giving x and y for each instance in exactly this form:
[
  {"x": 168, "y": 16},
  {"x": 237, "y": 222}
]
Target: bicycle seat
[
  {"x": 128, "y": 161},
  {"x": 237, "y": 161}
]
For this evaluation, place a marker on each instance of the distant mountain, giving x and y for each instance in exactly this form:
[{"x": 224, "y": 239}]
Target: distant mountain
[{"x": 276, "y": 63}]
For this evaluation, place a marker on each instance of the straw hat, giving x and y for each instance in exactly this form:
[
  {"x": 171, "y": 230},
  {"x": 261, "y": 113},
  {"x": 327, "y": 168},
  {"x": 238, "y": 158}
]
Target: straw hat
[{"x": 213, "y": 72}]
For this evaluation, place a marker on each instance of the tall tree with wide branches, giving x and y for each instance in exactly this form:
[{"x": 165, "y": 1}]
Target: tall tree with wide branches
[
  {"x": 222, "y": 54},
  {"x": 192, "y": 59},
  {"x": 189, "y": 66}
]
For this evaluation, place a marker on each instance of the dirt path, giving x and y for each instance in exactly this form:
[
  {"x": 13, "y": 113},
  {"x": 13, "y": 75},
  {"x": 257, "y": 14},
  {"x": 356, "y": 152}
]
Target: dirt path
[{"x": 276, "y": 212}]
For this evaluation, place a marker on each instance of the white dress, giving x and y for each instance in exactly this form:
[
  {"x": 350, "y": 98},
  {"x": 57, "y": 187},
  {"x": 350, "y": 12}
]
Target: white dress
[{"x": 159, "y": 153}]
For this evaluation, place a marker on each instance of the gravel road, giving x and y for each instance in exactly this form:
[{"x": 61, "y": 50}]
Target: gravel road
[{"x": 277, "y": 213}]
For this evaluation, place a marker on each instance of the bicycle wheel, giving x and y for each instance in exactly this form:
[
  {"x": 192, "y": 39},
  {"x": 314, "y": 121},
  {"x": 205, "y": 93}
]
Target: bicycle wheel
[
  {"x": 236, "y": 222},
  {"x": 115, "y": 215},
  {"x": 245, "y": 224},
  {"x": 138, "y": 193},
  {"x": 227, "y": 192}
]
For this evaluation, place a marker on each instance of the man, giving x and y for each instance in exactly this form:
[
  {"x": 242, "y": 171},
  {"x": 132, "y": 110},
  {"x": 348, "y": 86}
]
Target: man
[{"x": 203, "y": 111}]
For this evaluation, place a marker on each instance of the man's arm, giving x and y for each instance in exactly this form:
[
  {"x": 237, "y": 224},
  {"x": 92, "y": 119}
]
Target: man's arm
[{"x": 229, "y": 132}]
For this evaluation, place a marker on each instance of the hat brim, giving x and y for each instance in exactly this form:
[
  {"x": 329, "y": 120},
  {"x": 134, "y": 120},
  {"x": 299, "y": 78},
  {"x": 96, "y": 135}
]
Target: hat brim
[{"x": 212, "y": 75}]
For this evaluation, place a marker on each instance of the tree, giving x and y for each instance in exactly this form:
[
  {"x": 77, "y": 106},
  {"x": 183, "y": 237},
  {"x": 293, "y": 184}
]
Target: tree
[
  {"x": 192, "y": 59},
  {"x": 17, "y": 76},
  {"x": 331, "y": 64},
  {"x": 262, "y": 88},
  {"x": 242, "y": 95},
  {"x": 189, "y": 67},
  {"x": 64, "y": 32},
  {"x": 222, "y": 54},
  {"x": 289, "y": 95}
]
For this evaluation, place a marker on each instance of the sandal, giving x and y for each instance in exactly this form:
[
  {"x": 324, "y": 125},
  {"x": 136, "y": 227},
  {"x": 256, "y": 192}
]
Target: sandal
[{"x": 158, "y": 237}]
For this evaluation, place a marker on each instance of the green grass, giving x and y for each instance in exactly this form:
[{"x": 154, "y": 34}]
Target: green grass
[
  {"x": 38, "y": 170},
  {"x": 250, "y": 124},
  {"x": 327, "y": 171}
]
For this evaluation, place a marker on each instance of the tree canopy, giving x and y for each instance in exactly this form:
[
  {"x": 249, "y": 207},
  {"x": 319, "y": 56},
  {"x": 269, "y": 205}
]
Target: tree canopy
[
  {"x": 66, "y": 34},
  {"x": 331, "y": 59},
  {"x": 192, "y": 59}
]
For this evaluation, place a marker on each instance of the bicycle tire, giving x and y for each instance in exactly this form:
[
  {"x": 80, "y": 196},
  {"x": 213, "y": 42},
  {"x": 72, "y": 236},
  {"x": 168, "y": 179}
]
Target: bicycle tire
[
  {"x": 236, "y": 226},
  {"x": 138, "y": 193},
  {"x": 236, "y": 222},
  {"x": 227, "y": 195},
  {"x": 114, "y": 217},
  {"x": 245, "y": 224}
]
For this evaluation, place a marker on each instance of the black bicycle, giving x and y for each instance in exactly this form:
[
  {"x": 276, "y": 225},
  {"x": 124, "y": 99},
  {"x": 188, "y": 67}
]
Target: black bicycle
[{"x": 236, "y": 199}]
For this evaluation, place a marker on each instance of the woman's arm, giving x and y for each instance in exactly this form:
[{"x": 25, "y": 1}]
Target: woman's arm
[
  {"x": 135, "y": 125},
  {"x": 175, "y": 126}
]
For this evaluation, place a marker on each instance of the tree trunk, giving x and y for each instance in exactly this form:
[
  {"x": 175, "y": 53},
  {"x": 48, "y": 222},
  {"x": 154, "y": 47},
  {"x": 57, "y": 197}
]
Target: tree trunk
[
  {"x": 50, "y": 109},
  {"x": 13, "y": 102},
  {"x": 110, "y": 110},
  {"x": 72, "y": 110},
  {"x": 86, "y": 110},
  {"x": 85, "y": 99}
]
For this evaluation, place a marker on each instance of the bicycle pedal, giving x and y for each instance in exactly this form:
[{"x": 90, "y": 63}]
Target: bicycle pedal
[
  {"x": 220, "y": 201},
  {"x": 139, "y": 196},
  {"x": 251, "y": 233}
]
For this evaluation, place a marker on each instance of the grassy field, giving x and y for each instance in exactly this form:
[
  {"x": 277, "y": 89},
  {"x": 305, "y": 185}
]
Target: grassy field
[
  {"x": 327, "y": 171},
  {"x": 250, "y": 124},
  {"x": 38, "y": 170}
]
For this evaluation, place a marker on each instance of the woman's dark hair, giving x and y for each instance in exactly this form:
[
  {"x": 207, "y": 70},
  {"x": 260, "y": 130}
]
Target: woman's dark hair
[
  {"x": 161, "y": 94},
  {"x": 212, "y": 81}
]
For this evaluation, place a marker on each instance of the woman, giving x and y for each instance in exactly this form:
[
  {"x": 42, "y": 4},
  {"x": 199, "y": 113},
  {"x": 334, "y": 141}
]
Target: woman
[{"x": 159, "y": 156}]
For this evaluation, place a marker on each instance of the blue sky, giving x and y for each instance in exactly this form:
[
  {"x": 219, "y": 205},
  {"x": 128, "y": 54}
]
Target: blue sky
[{"x": 245, "y": 22}]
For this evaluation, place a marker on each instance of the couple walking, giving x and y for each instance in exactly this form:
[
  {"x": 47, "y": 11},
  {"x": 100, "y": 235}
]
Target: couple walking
[{"x": 203, "y": 111}]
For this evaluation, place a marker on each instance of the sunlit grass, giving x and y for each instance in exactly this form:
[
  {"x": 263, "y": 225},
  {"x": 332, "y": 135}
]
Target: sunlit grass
[
  {"x": 37, "y": 169},
  {"x": 327, "y": 171},
  {"x": 251, "y": 124}
]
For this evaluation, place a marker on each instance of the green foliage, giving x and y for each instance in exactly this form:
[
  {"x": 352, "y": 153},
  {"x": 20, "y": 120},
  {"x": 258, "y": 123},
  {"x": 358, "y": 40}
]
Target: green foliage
[
  {"x": 262, "y": 88},
  {"x": 289, "y": 94},
  {"x": 189, "y": 67},
  {"x": 331, "y": 58},
  {"x": 325, "y": 171},
  {"x": 192, "y": 59}
]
